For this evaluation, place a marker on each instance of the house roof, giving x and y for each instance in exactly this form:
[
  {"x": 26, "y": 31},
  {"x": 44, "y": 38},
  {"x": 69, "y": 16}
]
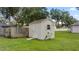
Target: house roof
[
  {"x": 2, "y": 24},
  {"x": 75, "y": 24},
  {"x": 38, "y": 21},
  {"x": 5, "y": 25}
]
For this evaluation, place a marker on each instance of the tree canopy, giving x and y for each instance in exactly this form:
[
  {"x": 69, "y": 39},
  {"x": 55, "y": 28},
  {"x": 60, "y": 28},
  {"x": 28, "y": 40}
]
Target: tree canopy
[
  {"x": 63, "y": 16},
  {"x": 33, "y": 13},
  {"x": 25, "y": 15},
  {"x": 9, "y": 11}
]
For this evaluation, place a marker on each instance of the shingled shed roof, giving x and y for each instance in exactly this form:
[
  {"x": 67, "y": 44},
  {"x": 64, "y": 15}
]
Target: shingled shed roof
[{"x": 39, "y": 21}]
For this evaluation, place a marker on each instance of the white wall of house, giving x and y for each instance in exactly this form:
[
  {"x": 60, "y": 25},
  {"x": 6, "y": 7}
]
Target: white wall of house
[
  {"x": 1, "y": 31},
  {"x": 39, "y": 30},
  {"x": 14, "y": 32},
  {"x": 75, "y": 29}
]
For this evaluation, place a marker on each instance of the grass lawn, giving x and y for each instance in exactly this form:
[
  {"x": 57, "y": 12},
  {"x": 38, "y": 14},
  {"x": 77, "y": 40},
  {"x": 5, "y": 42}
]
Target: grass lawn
[{"x": 63, "y": 41}]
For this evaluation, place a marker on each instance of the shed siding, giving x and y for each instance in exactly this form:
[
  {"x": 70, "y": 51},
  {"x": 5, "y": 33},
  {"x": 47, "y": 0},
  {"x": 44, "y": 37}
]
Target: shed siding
[
  {"x": 44, "y": 31},
  {"x": 14, "y": 33},
  {"x": 39, "y": 30},
  {"x": 34, "y": 30}
]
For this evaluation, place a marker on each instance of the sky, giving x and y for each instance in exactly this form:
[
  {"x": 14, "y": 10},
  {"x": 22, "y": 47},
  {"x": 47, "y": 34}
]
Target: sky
[{"x": 72, "y": 10}]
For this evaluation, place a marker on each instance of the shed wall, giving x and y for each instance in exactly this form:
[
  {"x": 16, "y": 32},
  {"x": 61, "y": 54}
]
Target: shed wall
[
  {"x": 14, "y": 32},
  {"x": 45, "y": 32},
  {"x": 39, "y": 30},
  {"x": 34, "y": 30}
]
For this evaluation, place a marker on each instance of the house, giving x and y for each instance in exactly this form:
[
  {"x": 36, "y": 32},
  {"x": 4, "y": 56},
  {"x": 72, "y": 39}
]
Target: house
[
  {"x": 42, "y": 29},
  {"x": 1, "y": 29},
  {"x": 75, "y": 28},
  {"x": 13, "y": 31}
]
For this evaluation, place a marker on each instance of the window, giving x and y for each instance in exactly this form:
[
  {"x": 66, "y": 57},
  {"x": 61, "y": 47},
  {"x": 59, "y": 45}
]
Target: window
[{"x": 48, "y": 27}]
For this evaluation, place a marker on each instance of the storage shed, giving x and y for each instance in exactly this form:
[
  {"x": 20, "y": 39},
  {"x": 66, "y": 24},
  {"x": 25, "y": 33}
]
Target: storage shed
[
  {"x": 75, "y": 28},
  {"x": 42, "y": 29}
]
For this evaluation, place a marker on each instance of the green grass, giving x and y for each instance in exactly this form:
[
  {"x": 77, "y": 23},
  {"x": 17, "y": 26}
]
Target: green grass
[{"x": 64, "y": 41}]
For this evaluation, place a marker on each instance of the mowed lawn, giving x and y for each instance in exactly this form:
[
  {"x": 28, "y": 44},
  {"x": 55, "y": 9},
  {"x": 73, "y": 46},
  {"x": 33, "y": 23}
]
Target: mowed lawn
[{"x": 64, "y": 41}]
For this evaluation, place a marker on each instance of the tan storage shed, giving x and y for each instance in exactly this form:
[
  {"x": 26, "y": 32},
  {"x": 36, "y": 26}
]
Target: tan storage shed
[{"x": 42, "y": 29}]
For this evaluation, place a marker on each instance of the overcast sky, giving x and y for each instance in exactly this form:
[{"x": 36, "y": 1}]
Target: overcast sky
[{"x": 72, "y": 10}]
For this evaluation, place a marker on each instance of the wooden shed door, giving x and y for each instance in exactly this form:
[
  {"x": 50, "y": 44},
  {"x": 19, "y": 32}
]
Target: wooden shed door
[{"x": 26, "y": 32}]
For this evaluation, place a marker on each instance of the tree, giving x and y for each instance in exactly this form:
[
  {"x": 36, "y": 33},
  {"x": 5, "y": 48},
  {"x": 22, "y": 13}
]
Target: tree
[
  {"x": 62, "y": 16},
  {"x": 67, "y": 19},
  {"x": 24, "y": 14},
  {"x": 57, "y": 15},
  {"x": 31, "y": 14}
]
